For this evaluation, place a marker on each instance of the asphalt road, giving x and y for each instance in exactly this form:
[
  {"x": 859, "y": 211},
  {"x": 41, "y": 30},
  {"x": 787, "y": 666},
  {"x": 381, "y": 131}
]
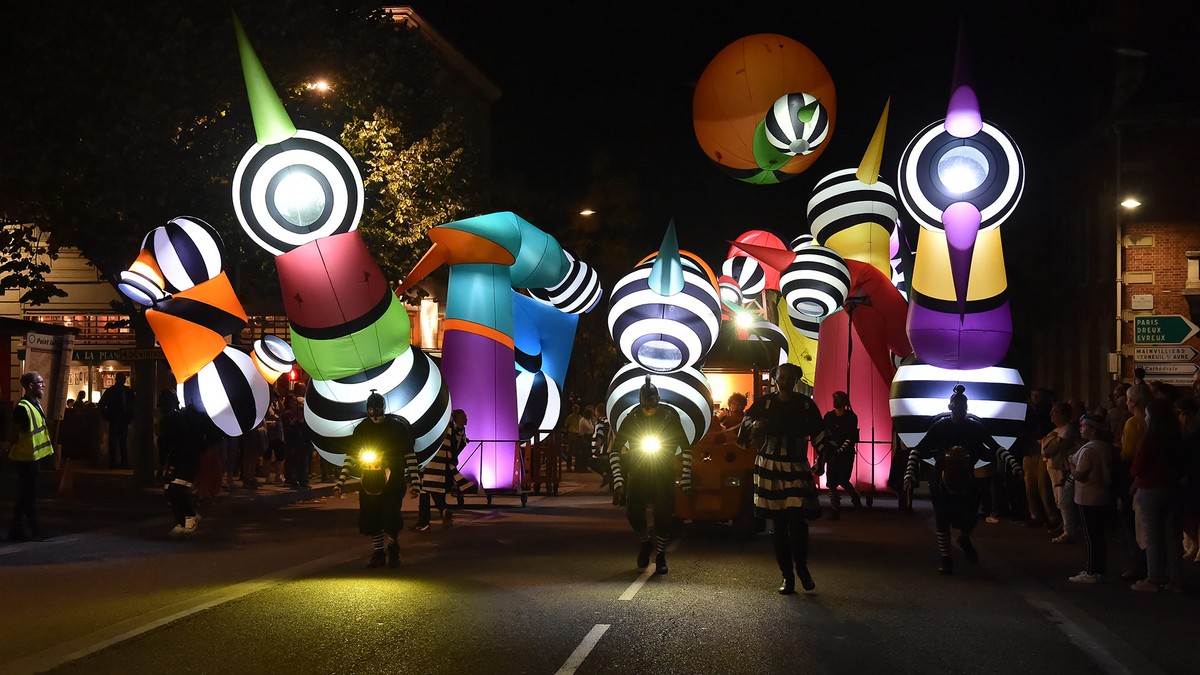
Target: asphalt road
[{"x": 269, "y": 586}]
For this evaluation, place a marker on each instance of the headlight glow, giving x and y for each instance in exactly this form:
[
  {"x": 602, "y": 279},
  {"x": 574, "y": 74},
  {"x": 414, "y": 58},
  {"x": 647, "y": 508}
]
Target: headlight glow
[
  {"x": 369, "y": 456},
  {"x": 650, "y": 444}
]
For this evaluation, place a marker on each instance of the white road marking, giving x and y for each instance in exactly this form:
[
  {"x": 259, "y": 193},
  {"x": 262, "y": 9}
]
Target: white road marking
[
  {"x": 589, "y": 642},
  {"x": 123, "y": 630},
  {"x": 644, "y": 576}
]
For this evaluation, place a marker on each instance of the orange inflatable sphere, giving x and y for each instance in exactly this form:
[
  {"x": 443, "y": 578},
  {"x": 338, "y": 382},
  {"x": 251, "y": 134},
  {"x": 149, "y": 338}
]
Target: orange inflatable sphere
[{"x": 735, "y": 94}]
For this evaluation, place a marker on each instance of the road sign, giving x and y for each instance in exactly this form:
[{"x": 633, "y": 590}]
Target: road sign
[
  {"x": 1177, "y": 353},
  {"x": 1153, "y": 369},
  {"x": 1162, "y": 329}
]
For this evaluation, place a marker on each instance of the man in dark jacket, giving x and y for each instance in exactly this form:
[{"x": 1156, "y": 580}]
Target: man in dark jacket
[{"x": 116, "y": 407}]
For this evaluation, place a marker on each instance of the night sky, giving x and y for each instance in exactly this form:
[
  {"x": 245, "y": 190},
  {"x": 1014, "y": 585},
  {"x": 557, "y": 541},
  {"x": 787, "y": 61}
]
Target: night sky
[{"x": 614, "y": 80}]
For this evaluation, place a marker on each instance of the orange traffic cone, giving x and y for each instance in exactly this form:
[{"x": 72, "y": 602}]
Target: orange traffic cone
[{"x": 66, "y": 484}]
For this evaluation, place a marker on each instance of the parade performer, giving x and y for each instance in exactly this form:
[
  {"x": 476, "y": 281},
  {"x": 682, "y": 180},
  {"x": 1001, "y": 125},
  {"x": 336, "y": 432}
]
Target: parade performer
[
  {"x": 441, "y": 474},
  {"x": 183, "y": 436},
  {"x": 646, "y": 443},
  {"x": 836, "y": 457},
  {"x": 381, "y": 449},
  {"x": 955, "y": 445},
  {"x": 781, "y": 424}
]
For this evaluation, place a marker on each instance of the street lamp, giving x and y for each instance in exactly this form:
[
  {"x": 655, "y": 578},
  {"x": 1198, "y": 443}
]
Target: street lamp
[
  {"x": 1130, "y": 203},
  {"x": 320, "y": 86},
  {"x": 587, "y": 212}
]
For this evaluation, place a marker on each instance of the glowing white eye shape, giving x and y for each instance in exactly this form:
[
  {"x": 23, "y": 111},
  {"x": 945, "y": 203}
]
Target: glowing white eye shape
[
  {"x": 299, "y": 198},
  {"x": 650, "y": 444},
  {"x": 962, "y": 169}
]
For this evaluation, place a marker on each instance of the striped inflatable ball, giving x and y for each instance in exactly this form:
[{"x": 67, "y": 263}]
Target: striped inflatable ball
[
  {"x": 800, "y": 242},
  {"x": 746, "y": 272},
  {"x": 765, "y": 331},
  {"x": 298, "y": 190},
  {"x": 840, "y": 201},
  {"x": 412, "y": 387},
  {"x": 730, "y": 291},
  {"x": 188, "y": 251},
  {"x": 797, "y": 124},
  {"x": 996, "y": 395},
  {"x": 578, "y": 292},
  {"x": 229, "y": 391},
  {"x": 816, "y": 283},
  {"x": 685, "y": 390},
  {"x": 539, "y": 404},
  {"x": 665, "y": 333}
]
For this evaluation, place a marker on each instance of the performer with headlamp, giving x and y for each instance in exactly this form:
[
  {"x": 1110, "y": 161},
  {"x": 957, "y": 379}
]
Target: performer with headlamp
[{"x": 643, "y": 463}]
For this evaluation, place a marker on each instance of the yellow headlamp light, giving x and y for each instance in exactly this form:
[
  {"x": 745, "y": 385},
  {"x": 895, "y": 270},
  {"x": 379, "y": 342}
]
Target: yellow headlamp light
[
  {"x": 650, "y": 444},
  {"x": 368, "y": 457}
]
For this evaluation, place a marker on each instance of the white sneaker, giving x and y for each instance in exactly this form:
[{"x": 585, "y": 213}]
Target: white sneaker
[
  {"x": 176, "y": 531},
  {"x": 192, "y": 522},
  {"x": 1085, "y": 578}
]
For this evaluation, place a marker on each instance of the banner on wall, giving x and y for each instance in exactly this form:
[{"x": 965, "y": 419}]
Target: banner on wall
[{"x": 51, "y": 355}]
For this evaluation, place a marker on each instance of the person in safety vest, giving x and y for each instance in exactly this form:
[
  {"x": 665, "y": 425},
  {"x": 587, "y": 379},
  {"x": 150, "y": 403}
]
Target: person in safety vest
[
  {"x": 382, "y": 452},
  {"x": 28, "y": 442},
  {"x": 643, "y": 471}
]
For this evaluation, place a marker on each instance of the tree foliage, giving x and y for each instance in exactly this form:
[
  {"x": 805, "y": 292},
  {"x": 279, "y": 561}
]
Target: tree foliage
[{"x": 121, "y": 116}]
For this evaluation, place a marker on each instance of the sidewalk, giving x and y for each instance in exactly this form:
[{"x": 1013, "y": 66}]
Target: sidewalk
[{"x": 106, "y": 498}]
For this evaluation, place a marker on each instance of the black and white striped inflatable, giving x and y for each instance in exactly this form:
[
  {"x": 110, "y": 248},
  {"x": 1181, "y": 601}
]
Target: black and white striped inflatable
[
  {"x": 686, "y": 391},
  {"x": 539, "y": 404},
  {"x": 272, "y": 356},
  {"x": 997, "y": 395},
  {"x": 800, "y": 242},
  {"x": 188, "y": 251},
  {"x": 841, "y": 201},
  {"x": 665, "y": 333},
  {"x": 230, "y": 391},
  {"x": 730, "y": 291},
  {"x": 797, "y": 124},
  {"x": 412, "y": 387},
  {"x": 298, "y": 190},
  {"x": 816, "y": 283},
  {"x": 765, "y": 331},
  {"x": 990, "y": 158},
  {"x": 746, "y": 272},
  {"x": 579, "y": 291}
]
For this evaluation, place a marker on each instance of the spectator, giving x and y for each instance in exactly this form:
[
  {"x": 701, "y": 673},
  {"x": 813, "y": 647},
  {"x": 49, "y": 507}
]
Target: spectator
[
  {"x": 295, "y": 439},
  {"x": 28, "y": 442},
  {"x": 252, "y": 445},
  {"x": 583, "y": 448},
  {"x": 1090, "y": 469},
  {"x": 116, "y": 407},
  {"x": 1131, "y": 435},
  {"x": 571, "y": 429},
  {"x": 1157, "y": 470},
  {"x": 1058, "y": 447},
  {"x": 1039, "y": 492}
]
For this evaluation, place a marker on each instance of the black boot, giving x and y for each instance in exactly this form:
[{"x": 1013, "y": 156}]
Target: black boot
[
  {"x": 806, "y": 579},
  {"x": 660, "y": 564},
  {"x": 378, "y": 559},
  {"x": 968, "y": 548},
  {"x": 393, "y": 555},
  {"x": 788, "y": 587},
  {"x": 854, "y": 497},
  {"x": 946, "y": 567},
  {"x": 643, "y": 558}
]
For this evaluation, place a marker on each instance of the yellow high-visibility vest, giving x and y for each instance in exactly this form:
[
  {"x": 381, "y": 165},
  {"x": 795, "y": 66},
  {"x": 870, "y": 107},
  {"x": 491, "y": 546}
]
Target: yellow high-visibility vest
[{"x": 34, "y": 445}]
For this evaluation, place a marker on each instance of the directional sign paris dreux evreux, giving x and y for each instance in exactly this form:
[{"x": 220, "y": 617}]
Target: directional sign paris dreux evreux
[{"x": 1162, "y": 329}]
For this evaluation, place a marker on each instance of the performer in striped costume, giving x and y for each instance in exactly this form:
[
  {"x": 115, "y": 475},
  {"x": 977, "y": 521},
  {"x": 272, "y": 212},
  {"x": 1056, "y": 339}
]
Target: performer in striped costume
[
  {"x": 441, "y": 474},
  {"x": 646, "y": 445},
  {"x": 381, "y": 451},
  {"x": 781, "y": 424},
  {"x": 956, "y": 444}
]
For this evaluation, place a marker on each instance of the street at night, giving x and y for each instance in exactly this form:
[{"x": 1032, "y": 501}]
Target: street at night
[{"x": 272, "y": 585}]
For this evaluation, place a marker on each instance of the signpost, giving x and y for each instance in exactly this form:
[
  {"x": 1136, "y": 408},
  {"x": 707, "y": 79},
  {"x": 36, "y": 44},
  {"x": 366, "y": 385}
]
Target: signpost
[
  {"x": 1162, "y": 329},
  {"x": 1153, "y": 369},
  {"x": 1173, "y": 353}
]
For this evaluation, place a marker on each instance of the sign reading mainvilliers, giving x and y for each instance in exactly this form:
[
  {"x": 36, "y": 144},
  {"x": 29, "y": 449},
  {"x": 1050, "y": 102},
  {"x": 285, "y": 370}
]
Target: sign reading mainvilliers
[
  {"x": 1174, "y": 353},
  {"x": 1163, "y": 329}
]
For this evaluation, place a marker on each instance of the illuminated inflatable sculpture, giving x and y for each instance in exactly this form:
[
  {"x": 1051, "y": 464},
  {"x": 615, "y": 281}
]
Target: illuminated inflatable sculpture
[
  {"x": 854, "y": 213},
  {"x": 764, "y": 108},
  {"x": 960, "y": 178},
  {"x": 664, "y": 316},
  {"x": 488, "y": 257},
  {"x": 299, "y": 196},
  {"x": 192, "y": 309}
]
